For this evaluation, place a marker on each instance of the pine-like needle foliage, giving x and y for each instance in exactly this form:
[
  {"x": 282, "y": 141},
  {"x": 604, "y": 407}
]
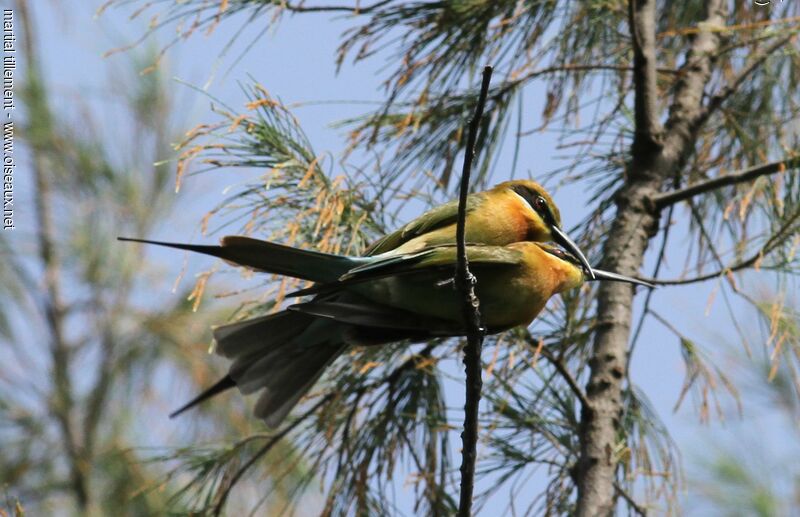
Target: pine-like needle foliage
[
  {"x": 674, "y": 119},
  {"x": 380, "y": 410},
  {"x": 89, "y": 357}
]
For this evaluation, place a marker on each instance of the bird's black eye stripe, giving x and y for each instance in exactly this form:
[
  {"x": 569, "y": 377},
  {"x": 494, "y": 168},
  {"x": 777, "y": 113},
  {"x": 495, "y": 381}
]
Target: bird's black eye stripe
[{"x": 537, "y": 202}]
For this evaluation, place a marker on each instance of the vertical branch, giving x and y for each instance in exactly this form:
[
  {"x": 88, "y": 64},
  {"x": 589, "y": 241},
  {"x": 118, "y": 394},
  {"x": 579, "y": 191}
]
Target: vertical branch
[
  {"x": 465, "y": 284},
  {"x": 642, "y": 25}
]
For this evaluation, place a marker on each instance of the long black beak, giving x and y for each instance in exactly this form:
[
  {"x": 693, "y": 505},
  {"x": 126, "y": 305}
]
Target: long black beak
[
  {"x": 560, "y": 237},
  {"x": 599, "y": 274}
]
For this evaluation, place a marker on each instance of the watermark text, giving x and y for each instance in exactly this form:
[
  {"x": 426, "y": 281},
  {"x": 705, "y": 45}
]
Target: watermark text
[{"x": 9, "y": 68}]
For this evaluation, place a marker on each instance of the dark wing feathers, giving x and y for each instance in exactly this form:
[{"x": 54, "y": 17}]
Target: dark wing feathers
[
  {"x": 271, "y": 257},
  {"x": 375, "y": 316},
  {"x": 435, "y": 218},
  {"x": 441, "y": 257}
]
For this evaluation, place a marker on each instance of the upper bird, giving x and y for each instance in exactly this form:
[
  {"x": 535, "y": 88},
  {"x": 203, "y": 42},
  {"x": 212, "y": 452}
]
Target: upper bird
[{"x": 512, "y": 211}]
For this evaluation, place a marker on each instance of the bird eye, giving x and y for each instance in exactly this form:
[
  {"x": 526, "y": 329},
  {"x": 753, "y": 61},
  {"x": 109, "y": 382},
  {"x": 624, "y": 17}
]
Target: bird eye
[{"x": 540, "y": 204}]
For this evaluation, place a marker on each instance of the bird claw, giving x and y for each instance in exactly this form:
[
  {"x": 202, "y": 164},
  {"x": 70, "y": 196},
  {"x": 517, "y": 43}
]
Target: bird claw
[
  {"x": 443, "y": 283},
  {"x": 471, "y": 279}
]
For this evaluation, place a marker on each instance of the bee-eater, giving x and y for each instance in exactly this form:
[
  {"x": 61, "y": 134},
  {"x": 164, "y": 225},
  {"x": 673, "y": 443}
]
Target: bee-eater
[
  {"x": 374, "y": 300},
  {"x": 512, "y": 211}
]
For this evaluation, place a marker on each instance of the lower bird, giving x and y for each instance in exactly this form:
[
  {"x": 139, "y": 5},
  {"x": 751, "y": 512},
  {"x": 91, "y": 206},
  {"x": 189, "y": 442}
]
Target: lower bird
[{"x": 374, "y": 300}]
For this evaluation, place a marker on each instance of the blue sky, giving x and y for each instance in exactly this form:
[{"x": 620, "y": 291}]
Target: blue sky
[{"x": 295, "y": 62}]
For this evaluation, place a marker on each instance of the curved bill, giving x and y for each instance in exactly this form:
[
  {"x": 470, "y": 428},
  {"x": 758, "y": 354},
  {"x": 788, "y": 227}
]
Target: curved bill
[
  {"x": 560, "y": 237},
  {"x": 599, "y": 274}
]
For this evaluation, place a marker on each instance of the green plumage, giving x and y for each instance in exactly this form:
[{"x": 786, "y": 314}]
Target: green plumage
[
  {"x": 283, "y": 354},
  {"x": 439, "y": 217}
]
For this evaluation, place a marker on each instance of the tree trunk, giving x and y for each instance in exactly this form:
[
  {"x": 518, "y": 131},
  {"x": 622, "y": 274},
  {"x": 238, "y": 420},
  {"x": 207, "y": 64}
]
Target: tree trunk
[{"x": 656, "y": 156}]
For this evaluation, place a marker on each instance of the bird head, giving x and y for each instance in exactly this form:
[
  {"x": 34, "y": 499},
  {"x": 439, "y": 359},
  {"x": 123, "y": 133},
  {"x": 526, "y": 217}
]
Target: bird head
[
  {"x": 544, "y": 219},
  {"x": 576, "y": 273}
]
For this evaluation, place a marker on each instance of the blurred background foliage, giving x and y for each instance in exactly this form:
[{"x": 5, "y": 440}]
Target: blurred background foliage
[
  {"x": 384, "y": 418},
  {"x": 754, "y": 471},
  {"x": 88, "y": 356}
]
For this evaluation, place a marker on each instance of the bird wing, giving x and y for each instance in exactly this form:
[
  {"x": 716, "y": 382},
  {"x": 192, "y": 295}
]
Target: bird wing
[
  {"x": 438, "y": 217},
  {"x": 369, "y": 314},
  {"x": 442, "y": 257}
]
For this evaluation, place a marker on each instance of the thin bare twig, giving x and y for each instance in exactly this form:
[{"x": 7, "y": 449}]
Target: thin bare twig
[
  {"x": 299, "y": 8},
  {"x": 465, "y": 283},
  {"x": 561, "y": 368},
  {"x": 768, "y": 247},
  {"x": 676, "y": 196},
  {"x": 631, "y": 502}
]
